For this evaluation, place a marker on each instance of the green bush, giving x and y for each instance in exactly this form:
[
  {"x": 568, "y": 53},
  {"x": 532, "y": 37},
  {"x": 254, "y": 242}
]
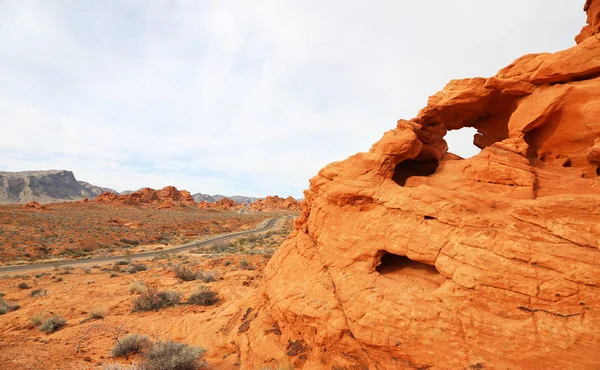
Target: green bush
[
  {"x": 53, "y": 324},
  {"x": 23, "y": 285},
  {"x": 154, "y": 300},
  {"x": 171, "y": 355},
  {"x": 130, "y": 344}
]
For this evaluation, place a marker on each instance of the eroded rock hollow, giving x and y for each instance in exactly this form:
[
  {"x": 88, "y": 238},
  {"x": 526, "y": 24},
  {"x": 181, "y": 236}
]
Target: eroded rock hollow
[{"x": 410, "y": 257}]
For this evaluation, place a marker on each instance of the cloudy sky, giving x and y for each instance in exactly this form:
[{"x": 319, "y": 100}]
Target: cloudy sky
[{"x": 241, "y": 97}]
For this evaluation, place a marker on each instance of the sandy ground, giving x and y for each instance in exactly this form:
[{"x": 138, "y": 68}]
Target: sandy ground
[
  {"x": 74, "y": 230},
  {"x": 85, "y": 343}
]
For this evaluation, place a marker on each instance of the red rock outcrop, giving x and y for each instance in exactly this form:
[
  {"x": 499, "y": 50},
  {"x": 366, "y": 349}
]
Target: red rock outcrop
[
  {"x": 222, "y": 204},
  {"x": 592, "y": 7},
  {"x": 35, "y": 205},
  {"x": 410, "y": 257},
  {"x": 275, "y": 203},
  {"x": 164, "y": 198}
]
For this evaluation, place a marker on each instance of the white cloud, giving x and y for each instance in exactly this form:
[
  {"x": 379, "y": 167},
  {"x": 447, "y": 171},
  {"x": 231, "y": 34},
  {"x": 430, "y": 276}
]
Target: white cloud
[{"x": 236, "y": 96}]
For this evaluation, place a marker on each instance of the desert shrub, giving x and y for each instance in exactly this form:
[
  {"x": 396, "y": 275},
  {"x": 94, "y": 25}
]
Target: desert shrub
[
  {"x": 222, "y": 247},
  {"x": 244, "y": 264},
  {"x": 138, "y": 287},
  {"x": 140, "y": 266},
  {"x": 23, "y": 285},
  {"x": 87, "y": 270},
  {"x": 121, "y": 263},
  {"x": 155, "y": 300},
  {"x": 129, "y": 241},
  {"x": 5, "y": 307},
  {"x": 97, "y": 313},
  {"x": 171, "y": 355},
  {"x": 130, "y": 344},
  {"x": 208, "y": 277},
  {"x": 39, "y": 276},
  {"x": 2, "y": 294},
  {"x": 37, "y": 319},
  {"x": 113, "y": 274},
  {"x": 227, "y": 263},
  {"x": 185, "y": 273},
  {"x": 52, "y": 324},
  {"x": 38, "y": 292},
  {"x": 58, "y": 280},
  {"x": 203, "y": 297},
  {"x": 120, "y": 367},
  {"x": 135, "y": 267},
  {"x": 170, "y": 298}
]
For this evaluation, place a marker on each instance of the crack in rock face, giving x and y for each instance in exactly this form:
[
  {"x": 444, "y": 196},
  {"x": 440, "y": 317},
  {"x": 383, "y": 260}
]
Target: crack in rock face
[{"x": 408, "y": 256}]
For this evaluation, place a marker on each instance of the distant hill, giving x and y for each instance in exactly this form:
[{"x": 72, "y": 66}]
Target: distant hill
[
  {"x": 239, "y": 199},
  {"x": 96, "y": 189},
  {"x": 45, "y": 187}
]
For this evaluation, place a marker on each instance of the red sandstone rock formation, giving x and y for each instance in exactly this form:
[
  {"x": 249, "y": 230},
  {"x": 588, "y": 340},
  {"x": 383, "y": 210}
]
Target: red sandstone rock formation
[
  {"x": 592, "y": 7},
  {"x": 221, "y": 204},
  {"x": 35, "y": 205},
  {"x": 276, "y": 203},
  {"x": 409, "y": 257},
  {"x": 165, "y": 198}
]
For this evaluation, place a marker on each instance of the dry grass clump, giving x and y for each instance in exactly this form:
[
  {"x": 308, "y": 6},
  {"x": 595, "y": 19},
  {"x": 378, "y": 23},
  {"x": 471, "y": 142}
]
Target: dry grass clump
[
  {"x": 97, "y": 313},
  {"x": 153, "y": 300},
  {"x": 170, "y": 355},
  {"x": 138, "y": 287},
  {"x": 37, "y": 319},
  {"x": 52, "y": 324},
  {"x": 130, "y": 344},
  {"x": 136, "y": 267},
  {"x": 38, "y": 292},
  {"x": 203, "y": 297},
  {"x": 185, "y": 273},
  {"x": 5, "y": 307}
]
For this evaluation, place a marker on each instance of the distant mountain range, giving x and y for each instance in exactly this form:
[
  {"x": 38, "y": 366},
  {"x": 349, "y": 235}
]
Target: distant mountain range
[
  {"x": 239, "y": 199},
  {"x": 61, "y": 186},
  {"x": 45, "y": 187}
]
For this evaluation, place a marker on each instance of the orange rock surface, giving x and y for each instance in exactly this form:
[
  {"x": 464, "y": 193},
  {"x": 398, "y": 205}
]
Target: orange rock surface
[
  {"x": 35, "y": 205},
  {"x": 276, "y": 203},
  {"x": 221, "y": 204},
  {"x": 167, "y": 197},
  {"x": 410, "y": 257},
  {"x": 592, "y": 7}
]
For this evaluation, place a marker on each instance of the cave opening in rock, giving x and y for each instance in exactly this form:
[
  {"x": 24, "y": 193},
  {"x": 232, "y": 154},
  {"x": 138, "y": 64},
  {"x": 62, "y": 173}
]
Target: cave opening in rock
[
  {"x": 411, "y": 167},
  {"x": 461, "y": 142},
  {"x": 390, "y": 264}
]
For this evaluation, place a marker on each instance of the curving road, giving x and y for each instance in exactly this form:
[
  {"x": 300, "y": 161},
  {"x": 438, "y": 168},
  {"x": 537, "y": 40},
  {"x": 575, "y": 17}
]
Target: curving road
[{"x": 146, "y": 255}]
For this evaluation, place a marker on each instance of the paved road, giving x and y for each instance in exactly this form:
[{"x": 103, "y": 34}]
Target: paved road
[{"x": 146, "y": 255}]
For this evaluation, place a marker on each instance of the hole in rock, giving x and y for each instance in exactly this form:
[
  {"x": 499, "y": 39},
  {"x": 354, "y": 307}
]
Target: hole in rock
[
  {"x": 598, "y": 171},
  {"x": 567, "y": 163},
  {"x": 410, "y": 168},
  {"x": 401, "y": 267},
  {"x": 461, "y": 142}
]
